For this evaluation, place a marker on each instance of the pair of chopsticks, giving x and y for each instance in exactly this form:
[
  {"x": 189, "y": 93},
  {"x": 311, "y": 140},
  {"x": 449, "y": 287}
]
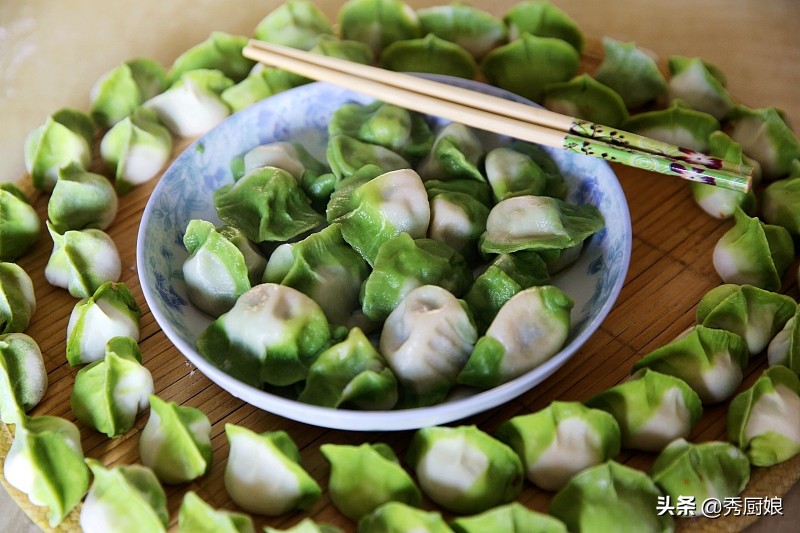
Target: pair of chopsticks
[{"x": 506, "y": 117}]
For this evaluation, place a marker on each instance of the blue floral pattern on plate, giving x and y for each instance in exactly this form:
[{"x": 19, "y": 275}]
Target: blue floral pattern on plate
[{"x": 302, "y": 114}]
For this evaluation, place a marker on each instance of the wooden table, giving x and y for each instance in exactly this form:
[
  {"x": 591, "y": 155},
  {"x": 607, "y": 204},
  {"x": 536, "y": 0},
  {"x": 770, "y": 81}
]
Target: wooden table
[{"x": 755, "y": 43}]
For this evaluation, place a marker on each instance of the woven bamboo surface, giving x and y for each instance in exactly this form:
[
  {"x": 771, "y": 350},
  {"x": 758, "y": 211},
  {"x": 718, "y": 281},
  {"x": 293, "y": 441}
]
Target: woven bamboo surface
[{"x": 670, "y": 271}]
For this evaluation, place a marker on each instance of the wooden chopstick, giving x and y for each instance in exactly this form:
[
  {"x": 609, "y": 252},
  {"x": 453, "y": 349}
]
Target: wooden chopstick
[{"x": 505, "y": 117}]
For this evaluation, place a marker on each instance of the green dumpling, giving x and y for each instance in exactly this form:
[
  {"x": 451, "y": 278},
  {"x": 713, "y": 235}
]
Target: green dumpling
[
  {"x": 429, "y": 54},
  {"x": 81, "y": 200},
  {"x": 528, "y": 64},
  {"x": 370, "y": 212},
  {"x": 66, "y": 137},
  {"x": 538, "y": 223},
  {"x": 124, "y": 499},
  {"x": 403, "y": 264},
  {"x": 464, "y": 469},
  {"x": 711, "y": 361},
  {"x": 109, "y": 392},
  {"x": 378, "y": 23},
  {"x": 295, "y": 23},
  {"x": 585, "y": 97},
  {"x": 512, "y": 173},
  {"x": 176, "y": 442},
  {"x": 781, "y": 201},
  {"x": 323, "y": 267},
  {"x": 560, "y": 441},
  {"x": 220, "y": 51},
  {"x": 631, "y": 72},
  {"x": 124, "y": 88},
  {"x": 651, "y": 408},
  {"x": 699, "y": 84},
  {"x": 19, "y": 223},
  {"x": 82, "y": 261},
  {"x": 17, "y": 299},
  {"x": 456, "y": 154},
  {"x": 45, "y": 462},
  {"x": 367, "y": 476},
  {"x": 260, "y": 83},
  {"x": 266, "y": 204},
  {"x": 529, "y": 328},
  {"x": 458, "y": 220},
  {"x": 784, "y": 348},
  {"x": 510, "y": 518},
  {"x": 197, "y": 516},
  {"x": 707, "y": 470},
  {"x": 471, "y": 28},
  {"x": 351, "y": 373},
  {"x": 756, "y": 315},
  {"x": 753, "y": 253},
  {"x": 611, "y": 497},
  {"x": 271, "y": 335},
  {"x": 397, "y": 517},
  {"x": 263, "y": 474},
  {"x": 543, "y": 19},
  {"x": 23, "y": 377},
  {"x": 401, "y": 131},
  {"x": 136, "y": 148},
  {"x": 306, "y": 525},
  {"x": 347, "y": 155},
  {"x": 760, "y": 418},
  {"x": 478, "y": 190},
  {"x": 765, "y": 136},
  {"x": 676, "y": 125}
]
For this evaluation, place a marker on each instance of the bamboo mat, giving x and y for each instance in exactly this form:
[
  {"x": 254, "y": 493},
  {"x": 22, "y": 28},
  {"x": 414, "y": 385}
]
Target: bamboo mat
[{"x": 670, "y": 271}]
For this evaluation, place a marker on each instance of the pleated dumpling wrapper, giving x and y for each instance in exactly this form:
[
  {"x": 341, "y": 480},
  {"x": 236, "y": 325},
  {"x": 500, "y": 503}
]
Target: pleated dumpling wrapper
[
  {"x": 121, "y": 90},
  {"x": 109, "y": 393},
  {"x": 458, "y": 219},
  {"x": 325, "y": 268},
  {"x": 471, "y": 28},
  {"x": 81, "y": 200},
  {"x": 45, "y": 462},
  {"x": 19, "y": 223},
  {"x": 561, "y": 440},
  {"x": 222, "y": 265},
  {"x": 197, "y": 516},
  {"x": 711, "y": 361},
  {"x": 110, "y": 312},
  {"x": 585, "y": 97},
  {"x": 295, "y": 23},
  {"x": 23, "y": 377},
  {"x": 66, "y": 137},
  {"x": 455, "y": 154},
  {"x": 428, "y": 318},
  {"x": 365, "y": 477},
  {"x": 403, "y": 264},
  {"x": 192, "y": 105},
  {"x": 136, "y": 148},
  {"x": 347, "y": 155},
  {"x": 464, "y": 469},
  {"x": 530, "y": 327},
  {"x": 398, "y": 517},
  {"x": 378, "y": 23},
  {"x": 17, "y": 299},
  {"x": 351, "y": 373},
  {"x": 176, "y": 442},
  {"x": 263, "y": 474},
  {"x": 429, "y": 54},
  {"x": 781, "y": 201},
  {"x": 784, "y": 348},
  {"x": 271, "y": 335},
  {"x": 124, "y": 499},
  {"x": 754, "y": 314},
  {"x": 677, "y": 125},
  {"x": 538, "y": 223},
  {"x": 611, "y": 497},
  {"x": 753, "y": 253},
  {"x": 82, "y": 260},
  {"x": 540, "y": 17},
  {"x": 510, "y": 518},
  {"x": 764, "y": 420},
  {"x": 706, "y": 470},
  {"x": 651, "y": 408},
  {"x": 266, "y": 204},
  {"x": 372, "y": 212}
]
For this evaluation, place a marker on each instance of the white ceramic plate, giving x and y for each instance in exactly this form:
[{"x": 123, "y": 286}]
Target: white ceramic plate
[{"x": 302, "y": 114}]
